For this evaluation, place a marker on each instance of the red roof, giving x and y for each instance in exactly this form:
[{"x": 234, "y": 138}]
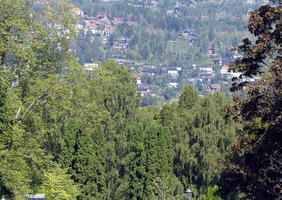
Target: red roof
[
  {"x": 131, "y": 23},
  {"x": 216, "y": 85},
  {"x": 136, "y": 75}
]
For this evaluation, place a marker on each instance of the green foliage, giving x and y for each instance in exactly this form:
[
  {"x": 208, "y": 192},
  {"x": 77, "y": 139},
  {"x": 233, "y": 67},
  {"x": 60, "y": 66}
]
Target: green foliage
[
  {"x": 32, "y": 57},
  {"x": 158, "y": 35},
  {"x": 253, "y": 167},
  {"x": 73, "y": 135},
  {"x": 211, "y": 193},
  {"x": 188, "y": 98},
  {"x": 58, "y": 185},
  {"x": 150, "y": 164},
  {"x": 200, "y": 133}
]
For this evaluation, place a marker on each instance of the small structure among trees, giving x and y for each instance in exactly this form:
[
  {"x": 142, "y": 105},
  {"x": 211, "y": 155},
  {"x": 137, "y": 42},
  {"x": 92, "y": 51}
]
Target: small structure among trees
[{"x": 36, "y": 197}]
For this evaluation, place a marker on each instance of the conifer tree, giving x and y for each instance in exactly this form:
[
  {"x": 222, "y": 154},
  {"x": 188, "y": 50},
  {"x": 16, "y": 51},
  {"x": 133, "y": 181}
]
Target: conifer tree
[{"x": 116, "y": 91}]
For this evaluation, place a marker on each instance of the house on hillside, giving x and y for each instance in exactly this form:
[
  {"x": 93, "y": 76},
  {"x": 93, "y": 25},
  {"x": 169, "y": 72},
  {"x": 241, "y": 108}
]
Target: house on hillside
[
  {"x": 148, "y": 66},
  {"x": 143, "y": 91},
  {"x": 224, "y": 70},
  {"x": 215, "y": 87},
  {"x": 172, "y": 84},
  {"x": 131, "y": 23},
  {"x": 77, "y": 12},
  {"x": 179, "y": 69},
  {"x": 138, "y": 81},
  {"x": 172, "y": 71},
  {"x": 208, "y": 70},
  {"x": 121, "y": 43},
  {"x": 230, "y": 74},
  {"x": 90, "y": 67}
]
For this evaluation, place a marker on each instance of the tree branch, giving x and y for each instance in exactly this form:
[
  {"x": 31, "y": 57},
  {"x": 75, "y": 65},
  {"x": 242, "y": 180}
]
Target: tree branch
[{"x": 43, "y": 93}]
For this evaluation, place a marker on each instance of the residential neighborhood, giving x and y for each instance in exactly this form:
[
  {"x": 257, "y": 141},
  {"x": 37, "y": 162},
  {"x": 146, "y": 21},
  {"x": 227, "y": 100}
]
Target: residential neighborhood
[{"x": 158, "y": 79}]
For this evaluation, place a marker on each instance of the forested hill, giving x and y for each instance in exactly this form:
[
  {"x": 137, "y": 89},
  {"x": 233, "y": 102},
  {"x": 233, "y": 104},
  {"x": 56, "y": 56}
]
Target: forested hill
[{"x": 153, "y": 38}]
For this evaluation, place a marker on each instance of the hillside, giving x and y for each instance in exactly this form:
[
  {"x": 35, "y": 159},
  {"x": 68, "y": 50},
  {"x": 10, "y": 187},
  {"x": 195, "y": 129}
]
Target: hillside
[{"x": 155, "y": 38}]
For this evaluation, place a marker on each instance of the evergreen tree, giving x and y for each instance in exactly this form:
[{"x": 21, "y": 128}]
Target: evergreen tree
[
  {"x": 137, "y": 159},
  {"x": 150, "y": 165},
  {"x": 116, "y": 91}
]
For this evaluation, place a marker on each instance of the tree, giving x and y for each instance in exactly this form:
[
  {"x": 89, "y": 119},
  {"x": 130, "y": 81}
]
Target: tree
[
  {"x": 137, "y": 159},
  {"x": 211, "y": 193},
  {"x": 254, "y": 166},
  {"x": 33, "y": 57},
  {"x": 115, "y": 90},
  {"x": 200, "y": 135},
  {"x": 84, "y": 156},
  {"x": 58, "y": 185},
  {"x": 188, "y": 97},
  {"x": 150, "y": 165}
]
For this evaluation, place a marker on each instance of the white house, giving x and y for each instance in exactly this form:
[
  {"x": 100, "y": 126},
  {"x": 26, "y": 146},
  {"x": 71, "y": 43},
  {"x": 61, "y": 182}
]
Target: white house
[
  {"x": 138, "y": 81},
  {"x": 90, "y": 67},
  {"x": 172, "y": 72},
  {"x": 172, "y": 84},
  {"x": 179, "y": 68},
  {"x": 231, "y": 74},
  {"x": 206, "y": 69},
  {"x": 224, "y": 70}
]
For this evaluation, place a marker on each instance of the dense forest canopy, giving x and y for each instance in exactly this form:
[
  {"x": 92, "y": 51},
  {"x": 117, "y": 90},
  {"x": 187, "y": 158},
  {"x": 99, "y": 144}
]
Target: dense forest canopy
[{"x": 77, "y": 134}]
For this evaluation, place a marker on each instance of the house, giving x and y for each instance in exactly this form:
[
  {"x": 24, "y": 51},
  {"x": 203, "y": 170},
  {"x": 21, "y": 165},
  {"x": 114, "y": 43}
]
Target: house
[
  {"x": 207, "y": 70},
  {"x": 172, "y": 84},
  {"x": 148, "y": 66},
  {"x": 237, "y": 55},
  {"x": 90, "y": 67},
  {"x": 179, "y": 68},
  {"x": 172, "y": 71},
  {"x": 138, "y": 81},
  {"x": 149, "y": 3},
  {"x": 121, "y": 43},
  {"x": 170, "y": 12},
  {"x": 215, "y": 87},
  {"x": 235, "y": 74},
  {"x": 136, "y": 75},
  {"x": 143, "y": 91},
  {"x": 224, "y": 70},
  {"x": 230, "y": 74}
]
